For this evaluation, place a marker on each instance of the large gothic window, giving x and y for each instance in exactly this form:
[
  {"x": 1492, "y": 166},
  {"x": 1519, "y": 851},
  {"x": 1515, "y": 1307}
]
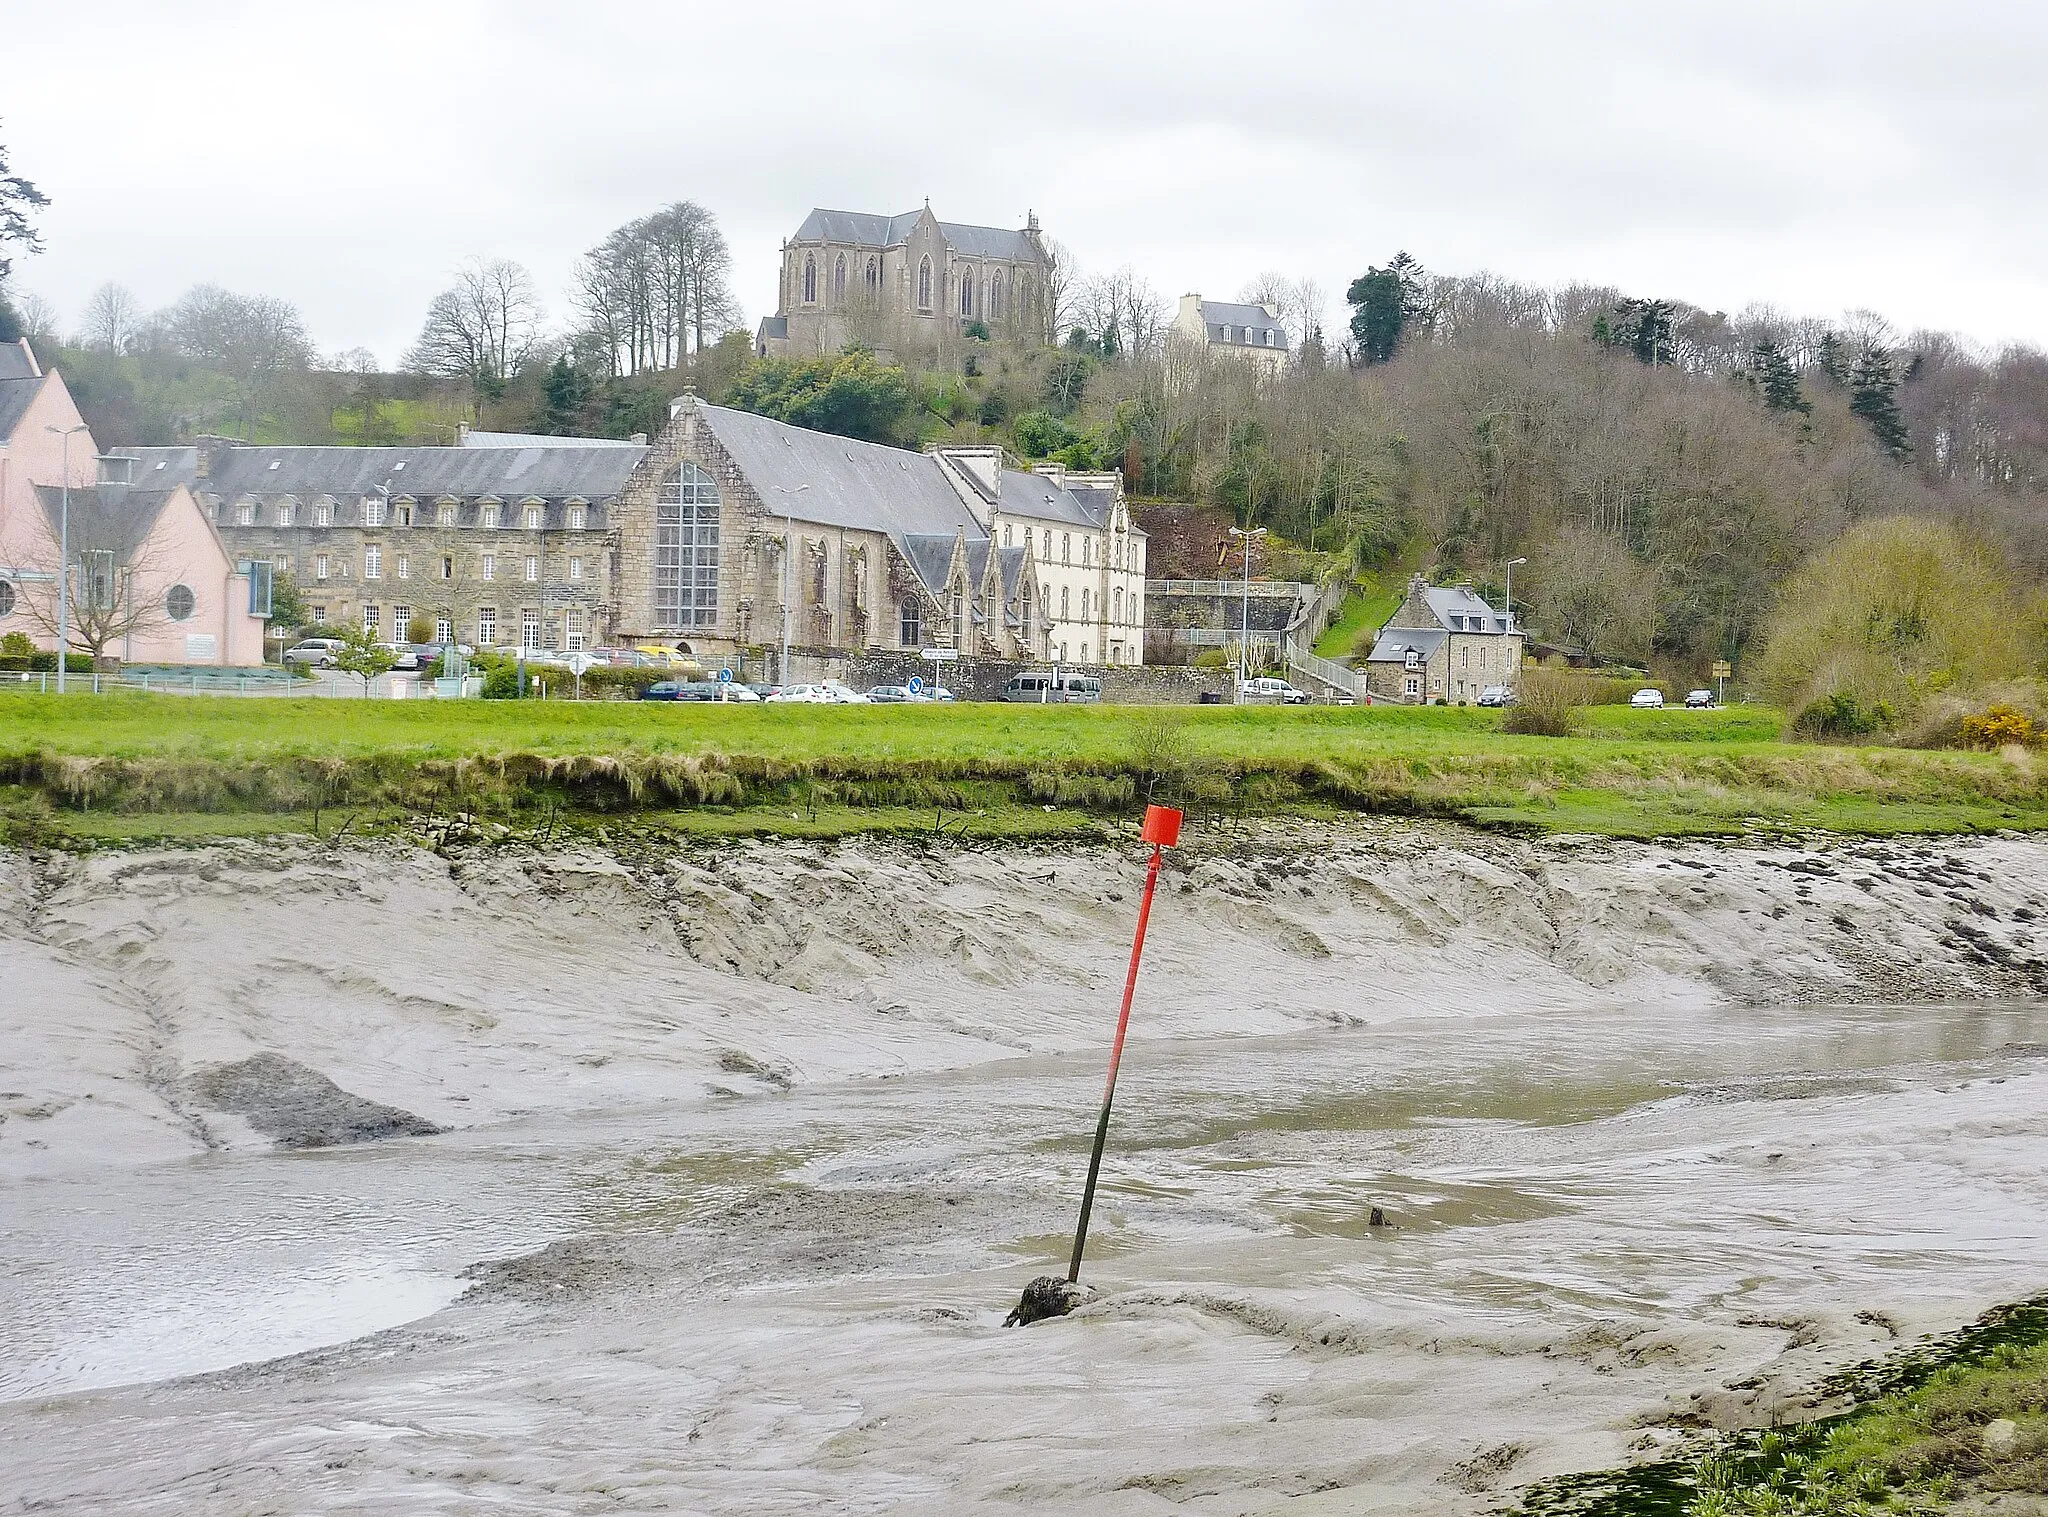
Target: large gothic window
[
  {"x": 810, "y": 280},
  {"x": 995, "y": 294},
  {"x": 874, "y": 278},
  {"x": 839, "y": 281},
  {"x": 686, "y": 549},
  {"x": 924, "y": 284},
  {"x": 967, "y": 293}
]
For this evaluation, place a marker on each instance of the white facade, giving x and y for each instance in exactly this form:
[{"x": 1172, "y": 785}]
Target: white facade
[
  {"x": 1224, "y": 329},
  {"x": 1089, "y": 553}
]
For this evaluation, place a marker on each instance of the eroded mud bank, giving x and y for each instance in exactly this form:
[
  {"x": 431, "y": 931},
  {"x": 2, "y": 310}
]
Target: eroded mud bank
[{"x": 749, "y": 1150}]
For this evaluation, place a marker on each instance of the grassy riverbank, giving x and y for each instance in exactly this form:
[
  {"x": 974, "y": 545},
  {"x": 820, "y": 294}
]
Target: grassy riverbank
[
  {"x": 1963, "y": 1418},
  {"x": 746, "y": 768}
]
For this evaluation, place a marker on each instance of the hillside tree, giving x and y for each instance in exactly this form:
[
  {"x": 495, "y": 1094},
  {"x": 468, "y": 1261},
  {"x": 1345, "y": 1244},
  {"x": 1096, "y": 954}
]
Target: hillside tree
[
  {"x": 483, "y": 328},
  {"x": 1874, "y": 396}
]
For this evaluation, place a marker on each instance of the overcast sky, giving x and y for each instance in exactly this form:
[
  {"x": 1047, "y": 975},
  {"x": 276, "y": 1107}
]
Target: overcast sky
[{"x": 1815, "y": 156}]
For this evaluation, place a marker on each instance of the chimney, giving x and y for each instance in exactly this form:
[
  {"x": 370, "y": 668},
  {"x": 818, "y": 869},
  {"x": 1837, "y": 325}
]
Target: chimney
[
  {"x": 462, "y": 434},
  {"x": 638, "y": 439}
]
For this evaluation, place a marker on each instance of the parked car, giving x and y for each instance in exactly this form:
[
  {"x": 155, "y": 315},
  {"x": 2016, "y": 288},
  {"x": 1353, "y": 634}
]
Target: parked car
[
  {"x": 1048, "y": 688},
  {"x": 317, "y": 651},
  {"x": 663, "y": 690},
  {"x": 1647, "y": 700},
  {"x": 891, "y": 695},
  {"x": 1265, "y": 689},
  {"x": 1496, "y": 695},
  {"x": 829, "y": 693},
  {"x": 1699, "y": 700},
  {"x": 936, "y": 693}
]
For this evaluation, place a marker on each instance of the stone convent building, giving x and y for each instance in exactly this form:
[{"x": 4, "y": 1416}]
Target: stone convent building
[
  {"x": 700, "y": 539},
  {"x": 898, "y": 282}
]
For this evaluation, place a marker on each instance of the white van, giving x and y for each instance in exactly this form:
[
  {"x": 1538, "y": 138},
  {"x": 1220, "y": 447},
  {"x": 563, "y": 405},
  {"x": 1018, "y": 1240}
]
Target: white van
[{"x": 1047, "y": 688}]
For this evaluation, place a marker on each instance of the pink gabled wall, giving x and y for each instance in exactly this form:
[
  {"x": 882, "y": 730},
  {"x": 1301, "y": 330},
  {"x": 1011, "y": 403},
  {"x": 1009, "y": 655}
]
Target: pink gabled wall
[{"x": 182, "y": 546}]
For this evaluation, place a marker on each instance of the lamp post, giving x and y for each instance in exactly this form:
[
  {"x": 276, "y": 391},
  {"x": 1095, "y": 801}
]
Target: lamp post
[
  {"x": 1244, "y": 630},
  {"x": 64, "y": 556},
  {"x": 788, "y": 532},
  {"x": 1511, "y": 590}
]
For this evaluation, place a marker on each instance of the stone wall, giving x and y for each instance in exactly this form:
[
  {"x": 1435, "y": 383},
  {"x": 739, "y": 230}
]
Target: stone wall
[{"x": 982, "y": 679}]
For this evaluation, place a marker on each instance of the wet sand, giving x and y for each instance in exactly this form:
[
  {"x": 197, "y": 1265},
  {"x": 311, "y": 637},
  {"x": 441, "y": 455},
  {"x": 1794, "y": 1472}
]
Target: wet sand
[{"x": 750, "y": 1151}]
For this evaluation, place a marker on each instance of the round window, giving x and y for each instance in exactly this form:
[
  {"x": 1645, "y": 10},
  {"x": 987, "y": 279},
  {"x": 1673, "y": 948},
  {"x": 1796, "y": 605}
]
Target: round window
[
  {"x": 179, "y": 603},
  {"x": 6, "y": 597}
]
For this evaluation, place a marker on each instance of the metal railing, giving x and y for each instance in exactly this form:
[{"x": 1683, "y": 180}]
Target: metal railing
[
  {"x": 216, "y": 682},
  {"x": 1261, "y": 589}
]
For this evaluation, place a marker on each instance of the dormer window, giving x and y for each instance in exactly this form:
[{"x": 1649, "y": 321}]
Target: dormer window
[
  {"x": 284, "y": 513},
  {"x": 245, "y": 514},
  {"x": 576, "y": 518},
  {"x": 487, "y": 516},
  {"x": 323, "y": 514},
  {"x": 533, "y": 518},
  {"x": 373, "y": 511},
  {"x": 1226, "y": 331},
  {"x": 444, "y": 513}
]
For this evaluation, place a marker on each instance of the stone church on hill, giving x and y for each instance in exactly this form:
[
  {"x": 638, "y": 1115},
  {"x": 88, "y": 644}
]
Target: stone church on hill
[{"x": 908, "y": 281}]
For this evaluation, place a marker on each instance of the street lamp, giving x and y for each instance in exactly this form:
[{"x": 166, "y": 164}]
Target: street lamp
[
  {"x": 64, "y": 557},
  {"x": 788, "y": 532},
  {"x": 1244, "y": 631},
  {"x": 1511, "y": 590}
]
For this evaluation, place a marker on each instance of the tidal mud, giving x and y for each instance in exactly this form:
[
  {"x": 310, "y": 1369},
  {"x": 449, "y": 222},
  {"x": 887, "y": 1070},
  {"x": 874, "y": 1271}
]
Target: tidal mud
[{"x": 748, "y": 1152}]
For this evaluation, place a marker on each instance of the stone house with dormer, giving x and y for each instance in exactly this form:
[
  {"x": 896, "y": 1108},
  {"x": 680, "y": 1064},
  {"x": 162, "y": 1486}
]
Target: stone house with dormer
[{"x": 1444, "y": 643}]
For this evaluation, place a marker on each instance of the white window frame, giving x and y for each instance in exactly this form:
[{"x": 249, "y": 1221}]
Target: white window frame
[
  {"x": 373, "y": 562},
  {"x": 486, "y": 626},
  {"x": 532, "y": 569},
  {"x": 490, "y": 566}
]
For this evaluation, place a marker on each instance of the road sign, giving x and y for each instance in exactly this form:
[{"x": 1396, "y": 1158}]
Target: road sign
[
  {"x": 725, "y": 676},
  {"x": 580, "y": 662},
  {"x": 1722, "y": 668},
  {"x": 940, "y": 655},
  {"x": 916, "y": 685}
]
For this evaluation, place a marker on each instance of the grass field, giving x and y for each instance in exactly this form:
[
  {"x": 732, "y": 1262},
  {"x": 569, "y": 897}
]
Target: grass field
[{"x": 741, "y": 768}]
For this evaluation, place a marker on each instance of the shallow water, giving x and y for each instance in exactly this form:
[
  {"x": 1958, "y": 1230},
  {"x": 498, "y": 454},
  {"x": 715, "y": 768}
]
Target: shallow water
[{"x": 1621, "y": 1159}]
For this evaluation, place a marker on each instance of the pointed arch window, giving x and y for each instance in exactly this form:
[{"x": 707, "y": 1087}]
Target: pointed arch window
[
  {"x": 839, "y": 281},
  {"x": 995, "y": 294},
  {"x": 924, "y": 284},
  {"x": 967, "y": 293},
  {"x": 810, "y": 280},
  {"x": 874, "y": 277},
  {"x": 686, "y": 549}
]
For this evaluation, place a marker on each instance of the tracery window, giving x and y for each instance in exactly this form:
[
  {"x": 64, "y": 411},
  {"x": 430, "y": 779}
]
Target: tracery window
[
  {"x": 839, "y": 281},
  {"x": 874, "y": 277},
  {"x": 967, "y": 294},
  {"x": 924, "y": 284},
  {"x": 995, "y": 294},
  {"x": 686, "y": 549},
  {"x": 810, "y": 280}
]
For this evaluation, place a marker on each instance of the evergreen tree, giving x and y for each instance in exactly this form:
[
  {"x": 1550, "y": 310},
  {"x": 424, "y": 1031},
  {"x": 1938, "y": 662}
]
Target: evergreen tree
[
  {"x": 1379, "y": 314},
  {"x": 1831, "y": 360},
  {"x": 565, "y": 391},
  {"x": 1643, "y": 327},
  {"x": 1874, "y": 396},
  {"x": 1771, "y": 371}
]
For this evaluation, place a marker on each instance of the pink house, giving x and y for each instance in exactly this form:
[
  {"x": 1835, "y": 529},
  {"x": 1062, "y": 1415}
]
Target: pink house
[{"x": 152, "y": 582}]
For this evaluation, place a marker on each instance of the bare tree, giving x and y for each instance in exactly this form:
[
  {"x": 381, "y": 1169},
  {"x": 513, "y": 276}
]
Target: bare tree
[
  {"x": 120, "y": 585},
  {"x": 38, "y": 319},
  {"x": 112, "y": 318},
  {"x": 1063, "y": 287},
  {"x": 1591, "y": 591},
  {"x": 252, "y": 341},
  {"x": 657, "y": 289},
  {"x": 354, "y": 361},
  {"x": 484, "y": 328}
]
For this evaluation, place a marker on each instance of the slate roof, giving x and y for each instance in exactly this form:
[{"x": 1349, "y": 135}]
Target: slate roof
[
  {"x": 1457, "y": 607},
  {"x": 866, "y": 229},
  {"x": 1098, "y": 501},
  {"x": 862, "y": 485},
  {"x": 475, "y": 439},
  {"x": 1394, "y": 643},
  {"x": 1037, "y": 495},
  {"x": 116, "y": 517},
  {"x": 1217, "y": 314},
  {"x": 18, "y": 361},
  {"x": 16, "y": 396},
  {"x": 929, "y": 555},
  {"x": 160, "y": 468},
  {"x": 511, "y": 473}
]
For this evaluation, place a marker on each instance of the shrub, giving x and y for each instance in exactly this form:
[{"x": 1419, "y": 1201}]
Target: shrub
[
  {"x": 1997, "y": 726},
  {"x": 1841, "y": 716},
  {"x": 17, "y": 645},
  {"x": 1895, "y": 611},
  {"x": 419, "y": 630},
  {"x": 1544, "y": 703}
]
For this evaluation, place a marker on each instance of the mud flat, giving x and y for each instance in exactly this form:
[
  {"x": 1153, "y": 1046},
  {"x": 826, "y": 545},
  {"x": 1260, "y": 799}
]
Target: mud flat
[{"x": 701, "y": 1179}]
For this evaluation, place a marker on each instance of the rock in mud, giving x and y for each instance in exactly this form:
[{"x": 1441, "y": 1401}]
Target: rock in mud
[
  {"x": 1047, "y": 1296},
  {"x": 300, "y": 1107}
]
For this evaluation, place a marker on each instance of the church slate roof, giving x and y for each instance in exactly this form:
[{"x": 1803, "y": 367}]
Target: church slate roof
[
  {"x": 930, "y": 556},
  {"x": 868, "y": 230},
  {"x": 16, "y": 396},
  {"x": 18, "y": 361},
  {"x": 116, "y": 517},
  {"x": 861, "y": 485}
]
